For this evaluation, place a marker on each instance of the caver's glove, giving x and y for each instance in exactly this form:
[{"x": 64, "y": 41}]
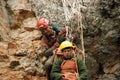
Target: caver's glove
[{"x": 49, "y": 51}]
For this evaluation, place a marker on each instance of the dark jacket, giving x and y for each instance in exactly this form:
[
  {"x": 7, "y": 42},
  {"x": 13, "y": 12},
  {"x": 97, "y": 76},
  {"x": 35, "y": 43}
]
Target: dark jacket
[{"x": 56, "y": 75}]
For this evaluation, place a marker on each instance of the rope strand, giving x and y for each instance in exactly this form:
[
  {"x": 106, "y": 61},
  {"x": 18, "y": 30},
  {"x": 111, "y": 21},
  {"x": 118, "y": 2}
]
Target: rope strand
[{"x": 75, "y": 10}]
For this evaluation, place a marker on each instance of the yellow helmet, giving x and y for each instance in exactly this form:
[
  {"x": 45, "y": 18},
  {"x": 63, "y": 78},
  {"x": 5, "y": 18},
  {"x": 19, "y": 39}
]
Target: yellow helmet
[{"x": 65, "y": 44}]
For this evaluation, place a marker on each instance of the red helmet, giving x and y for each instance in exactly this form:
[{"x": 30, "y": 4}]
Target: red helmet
[{"x": 43, "y": 23}]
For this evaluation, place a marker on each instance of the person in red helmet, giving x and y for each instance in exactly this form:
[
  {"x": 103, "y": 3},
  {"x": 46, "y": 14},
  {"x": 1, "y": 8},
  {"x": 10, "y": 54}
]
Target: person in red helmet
[
  {"x": 52, "y": 36},
  {"x": 43, "y": 26},
  {"x": 42, "y": 23}
]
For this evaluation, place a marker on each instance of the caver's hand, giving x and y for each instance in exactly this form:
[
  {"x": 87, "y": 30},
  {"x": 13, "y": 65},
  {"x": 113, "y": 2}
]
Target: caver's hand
[
  {"x": 56, "y": 45},
  {"x": 70, "y": 76},
  {"x": 64, "y": 78}
]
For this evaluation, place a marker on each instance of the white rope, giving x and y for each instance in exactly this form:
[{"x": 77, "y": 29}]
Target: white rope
[
  {"x": 69, "y": 14},
  {"x": 66, "y": 12},
  {"x": 81, "y": 31}
]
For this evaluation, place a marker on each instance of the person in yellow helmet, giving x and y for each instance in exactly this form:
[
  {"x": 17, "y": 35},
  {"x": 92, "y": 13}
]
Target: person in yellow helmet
[
  {"x": 51, "y": 37},
  {"x": 69, "y": 67}
]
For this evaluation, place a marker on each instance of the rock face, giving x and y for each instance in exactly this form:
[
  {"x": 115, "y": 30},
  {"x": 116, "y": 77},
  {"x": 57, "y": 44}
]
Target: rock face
[
  {"x": 102, "y": 39},
  {"x": 50, "y": 9},
  {"x": 19, "y": 42}
]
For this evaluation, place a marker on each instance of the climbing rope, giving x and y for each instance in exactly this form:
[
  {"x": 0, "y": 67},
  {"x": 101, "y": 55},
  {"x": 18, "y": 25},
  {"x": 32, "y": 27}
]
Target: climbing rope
[{"x": 72, "y": 9}]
